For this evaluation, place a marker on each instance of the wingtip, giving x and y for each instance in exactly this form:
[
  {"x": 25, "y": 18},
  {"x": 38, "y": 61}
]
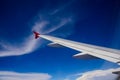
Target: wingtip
[{"x": 36, "y": 34}]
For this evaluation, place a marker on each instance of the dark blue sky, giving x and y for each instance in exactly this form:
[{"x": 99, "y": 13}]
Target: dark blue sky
[{"x": 92, "y": 21}]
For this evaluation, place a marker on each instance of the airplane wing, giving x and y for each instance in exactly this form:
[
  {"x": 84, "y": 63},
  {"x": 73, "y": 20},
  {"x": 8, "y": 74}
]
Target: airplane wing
[{"x": 86, "y": 49}]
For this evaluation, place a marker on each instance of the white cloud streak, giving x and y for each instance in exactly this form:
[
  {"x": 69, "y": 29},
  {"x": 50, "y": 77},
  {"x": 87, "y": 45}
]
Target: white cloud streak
[
  {"x": 62, "y": 23},
  {"x": 8, "y": 75}
]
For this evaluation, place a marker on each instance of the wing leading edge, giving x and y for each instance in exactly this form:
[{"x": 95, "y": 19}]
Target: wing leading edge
[{"x": 96, "y": 51}]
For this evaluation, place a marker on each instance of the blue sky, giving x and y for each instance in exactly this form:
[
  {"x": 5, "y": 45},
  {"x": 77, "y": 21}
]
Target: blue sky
[{"x": 95, "y": 22}]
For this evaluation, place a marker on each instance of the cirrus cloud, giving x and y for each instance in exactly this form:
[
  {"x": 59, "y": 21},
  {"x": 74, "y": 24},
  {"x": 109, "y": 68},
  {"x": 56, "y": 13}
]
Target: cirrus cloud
[{"x": 44, "y": 24}]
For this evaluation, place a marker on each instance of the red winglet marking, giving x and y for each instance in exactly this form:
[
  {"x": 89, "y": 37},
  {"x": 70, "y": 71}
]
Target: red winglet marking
[{"x": 36, "y": 34}]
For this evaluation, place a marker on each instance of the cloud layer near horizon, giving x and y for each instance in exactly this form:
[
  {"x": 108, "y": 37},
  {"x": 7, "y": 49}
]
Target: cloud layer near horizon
[
  {"x": 99, "y": 75},
  {"x": 8, "y": 75}
]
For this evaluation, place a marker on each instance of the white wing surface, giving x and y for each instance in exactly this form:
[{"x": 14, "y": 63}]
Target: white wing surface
[{"x": 87, "y": 49}]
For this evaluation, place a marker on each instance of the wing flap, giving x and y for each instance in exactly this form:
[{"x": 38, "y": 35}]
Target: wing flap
[
  {"x": 83, "y": 56},
  {"x": 54, "y": 45}
]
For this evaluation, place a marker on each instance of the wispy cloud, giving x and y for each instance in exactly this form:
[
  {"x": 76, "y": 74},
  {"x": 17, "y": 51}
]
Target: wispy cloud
[
  {"x": 28, "y": 45},
  {"x": 8, "y": 75},
  {"x": 44, "y": 24},
  {"x": 59, "y": 25},
  {"x": 64, "y": 6}
]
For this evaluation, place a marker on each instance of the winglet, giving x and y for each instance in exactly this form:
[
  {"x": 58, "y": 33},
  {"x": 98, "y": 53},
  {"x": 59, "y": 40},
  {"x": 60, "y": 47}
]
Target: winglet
[{"x": 37, "y": 35}]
